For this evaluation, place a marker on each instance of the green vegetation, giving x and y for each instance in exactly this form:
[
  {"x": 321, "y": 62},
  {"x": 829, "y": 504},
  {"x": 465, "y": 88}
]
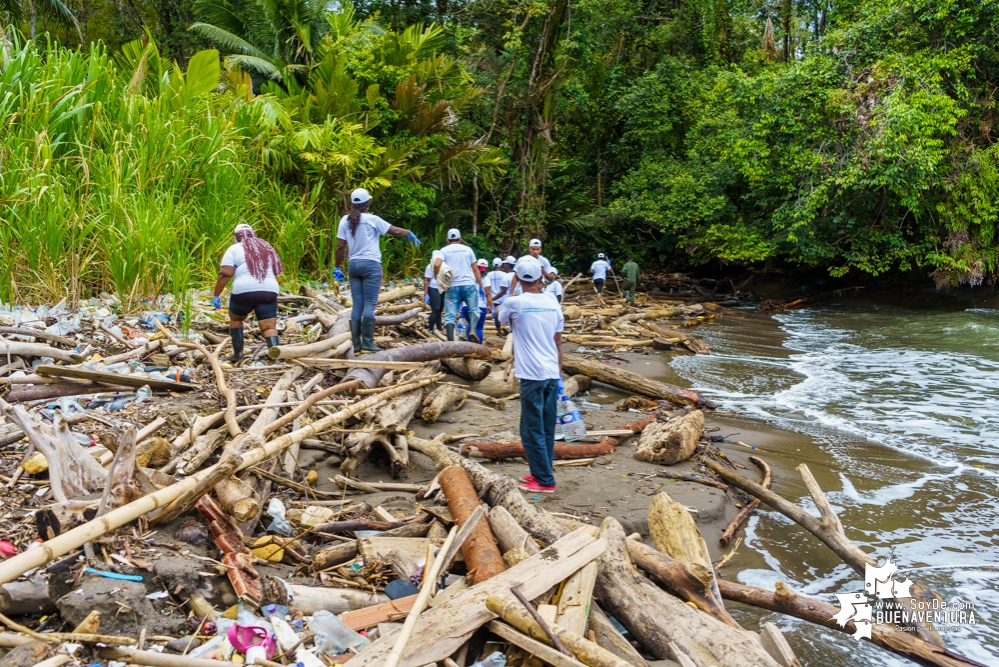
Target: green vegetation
[{"x": 855, "y": 137}]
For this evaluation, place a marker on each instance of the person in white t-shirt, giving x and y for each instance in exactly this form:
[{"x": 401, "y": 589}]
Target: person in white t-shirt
[
  {"x": 536, "y": 324},
  {"x": 554, "y": 287},
  {"x": 533, "y": 250},
  {"x": 432, "y": 295},
  {"x": 498, "y": 281},
  {"x": 466, "y": 281},
  {"x": 599, "y": 270},
  {"x": 359, "y": 233},
  {"x": 253, "y": 265}
]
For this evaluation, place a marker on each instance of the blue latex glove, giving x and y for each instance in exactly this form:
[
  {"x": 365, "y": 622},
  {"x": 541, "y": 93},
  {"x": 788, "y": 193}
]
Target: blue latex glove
[
  {"x": 217, "y": 302},
  {"x": 561, "y": 387},
  {"x": 338, "y": 274},
  {"x": 413, "y": 239},
  {"x": 426, "y": 299}
]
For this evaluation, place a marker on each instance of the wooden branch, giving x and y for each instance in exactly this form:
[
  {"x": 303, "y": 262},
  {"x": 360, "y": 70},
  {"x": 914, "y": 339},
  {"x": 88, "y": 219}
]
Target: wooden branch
[
  {"x": 307, "y": 350},
  {"x": 113, "y": 378},
  {"x": 828, "y": 529},
  {"x": 497, "y": 451},
  {"x": 751, "y": 506},
  {"x": 37, "y": 333},
  {"x": 38, "y": 350},
  {"x": 370, "y": 377},
  {"x": 362, "y": 363},
  {"x": 785, "y": 601},
  {"x": 629, "y": 381},
  {"x": 532, "y": 646}
]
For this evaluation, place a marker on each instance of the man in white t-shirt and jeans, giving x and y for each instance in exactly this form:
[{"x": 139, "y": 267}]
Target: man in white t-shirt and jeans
[
  {"x": 536, "y": 324},
  {"x": 533, "y": 250},
  {"x": 466, "y": 281},
  {"x": 599, "y": 270},
  {"x": 499, "y": 282}
]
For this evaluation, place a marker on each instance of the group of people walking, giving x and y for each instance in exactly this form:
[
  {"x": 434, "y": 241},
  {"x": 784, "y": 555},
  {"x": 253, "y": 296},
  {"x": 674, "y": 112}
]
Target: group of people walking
[{"x": 523, "y": 294}]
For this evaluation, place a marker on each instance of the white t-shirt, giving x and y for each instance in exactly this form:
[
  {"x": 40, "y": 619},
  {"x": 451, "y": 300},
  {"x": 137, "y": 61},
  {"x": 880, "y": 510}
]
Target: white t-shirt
[
  {"x": 599, "y": 269},
  {"x": 546, "y": 266},
  {"x": 554, "y": 288},
  {"x": 460, "y": 258},
  {"x": 534, "y": 320},
  {"x": 365, "y": 244},
  {"x": 428, "y": 274},
  {"x": 243, "y": 281},
  {"x": 497, "y": 281}
]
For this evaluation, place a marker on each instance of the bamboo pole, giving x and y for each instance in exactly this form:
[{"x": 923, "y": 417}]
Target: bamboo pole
[
  {"x": 62, "y": 544},
  {"x": 421, "y": 602}
]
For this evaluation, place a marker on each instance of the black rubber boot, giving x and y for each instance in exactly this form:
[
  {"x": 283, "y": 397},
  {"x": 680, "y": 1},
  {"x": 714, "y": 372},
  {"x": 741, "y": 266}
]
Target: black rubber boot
[
  {"x": 355, "y": 334},
  {"x": 450, "y": 331},
  {"x": 272, "y": 341},
  {"x": 237, "y": 344},
  {"x": 368, "y": 335}
]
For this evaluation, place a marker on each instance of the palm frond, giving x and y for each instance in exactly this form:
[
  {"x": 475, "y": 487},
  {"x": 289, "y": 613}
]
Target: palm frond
[{"x": 226, "y": 40}]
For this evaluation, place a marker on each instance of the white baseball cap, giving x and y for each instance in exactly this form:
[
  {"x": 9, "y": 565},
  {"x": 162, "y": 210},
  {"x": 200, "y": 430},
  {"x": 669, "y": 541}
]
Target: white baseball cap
[
  {"x": 482, "y": 264},
  {"x": 453, "y": 234},
  {"x": 359, "y": 196},
  {"x": 535, "y": 243},
  {"x": 600, "y": 255},
  {"x": 554, "y": 270},
  {"x": 510, "y": 259},
  {"x": 497, "y": 262},
  {"x": 528, "y": 269}
]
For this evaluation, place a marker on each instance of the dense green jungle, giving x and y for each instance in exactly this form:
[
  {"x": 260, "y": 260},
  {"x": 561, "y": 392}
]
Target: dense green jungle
[{"x": 851, "y": 137}]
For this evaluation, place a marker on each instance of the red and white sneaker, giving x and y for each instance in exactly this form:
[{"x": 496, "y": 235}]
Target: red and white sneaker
[
  {"x": 536, "y": 488},
  {"x": 527, "y": 478}
]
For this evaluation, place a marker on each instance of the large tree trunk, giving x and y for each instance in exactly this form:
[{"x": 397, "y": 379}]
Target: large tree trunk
[
  {"x": 633, "y": 382},
  {"x": 657, "y": 619},
  {"x": 786, "y": 601},
  {"x": 445, "y": 398},
  {"x": 497, "y": 451},
  {"x": 470, "y": 369},
  {"x": 370, "y": 377},
  {"x": 482, "y": 556}
]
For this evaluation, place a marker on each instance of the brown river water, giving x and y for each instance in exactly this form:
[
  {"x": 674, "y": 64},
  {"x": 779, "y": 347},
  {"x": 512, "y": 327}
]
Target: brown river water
[{"x": 895, "y": 409}]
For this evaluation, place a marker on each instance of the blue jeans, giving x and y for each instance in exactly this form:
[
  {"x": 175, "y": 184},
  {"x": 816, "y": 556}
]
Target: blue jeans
[
  {"x": 455, "y": 295},
  {"x": 538, "y": 406},
  {"x": 482, "y": 320},
  {"x": 365, "y": 282}
]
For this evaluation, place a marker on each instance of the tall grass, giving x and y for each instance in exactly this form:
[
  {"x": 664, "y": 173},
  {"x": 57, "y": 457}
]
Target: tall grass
[{"x": 107, "y": 190}]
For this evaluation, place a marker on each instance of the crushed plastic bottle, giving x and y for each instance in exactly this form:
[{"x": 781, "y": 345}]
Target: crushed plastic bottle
[
  {"x": 279, "y": 524},
  {"x": 558, "y": 418},
  {"x": 572, "y": 422},
  {"x": 496, "y": 659},
  {"x": 333, "y": 637},
  {"x": 143, "y": 394}
]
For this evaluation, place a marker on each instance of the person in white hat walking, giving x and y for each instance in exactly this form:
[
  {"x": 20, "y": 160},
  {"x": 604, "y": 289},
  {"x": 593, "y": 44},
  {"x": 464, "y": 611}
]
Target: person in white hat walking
[
  {"x": 466, "y": 281},
  {"x": 499, "y": 283},
  {"x": 554, "y": 286},
  {"x": 481, "y": 265},
  {"x": 433, "y": 296},
  {"x": 599, "y": 270},
  {"x": 253, "y": 265},
  {"x": 536, "y": 323},
  {"x": 359, "y": 233},
  {"x": 533, "y": 250}
]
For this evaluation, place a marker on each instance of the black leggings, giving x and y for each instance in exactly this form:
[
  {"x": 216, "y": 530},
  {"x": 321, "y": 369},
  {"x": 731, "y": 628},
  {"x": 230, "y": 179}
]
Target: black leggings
[
  {"x": 264, "y": 304},
  {"x": 436, "y": 306}
]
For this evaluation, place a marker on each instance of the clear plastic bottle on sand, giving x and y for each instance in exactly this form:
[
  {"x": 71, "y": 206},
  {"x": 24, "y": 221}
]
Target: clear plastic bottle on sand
[
  {"x": 333, "y": 637},
  {"x": 572, "y": 422},
  {"x": 558, "y": 417}
]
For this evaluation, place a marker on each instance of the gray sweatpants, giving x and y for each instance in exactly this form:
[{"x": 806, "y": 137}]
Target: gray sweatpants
[{"x": 365, "y": 282}]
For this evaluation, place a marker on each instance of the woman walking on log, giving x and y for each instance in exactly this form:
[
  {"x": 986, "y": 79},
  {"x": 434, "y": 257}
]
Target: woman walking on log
[
  {"x": 253, "y": 266},
  {"x": 359, "y": 234}
]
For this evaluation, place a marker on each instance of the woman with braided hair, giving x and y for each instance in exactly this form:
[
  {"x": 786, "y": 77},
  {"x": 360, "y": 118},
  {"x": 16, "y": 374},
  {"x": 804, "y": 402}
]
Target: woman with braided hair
[{"x": 253, "y": 265}]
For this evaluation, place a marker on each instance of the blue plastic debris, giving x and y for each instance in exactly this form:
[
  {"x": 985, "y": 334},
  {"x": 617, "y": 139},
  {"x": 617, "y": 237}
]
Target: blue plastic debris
[{"x": 113, "y": 575}]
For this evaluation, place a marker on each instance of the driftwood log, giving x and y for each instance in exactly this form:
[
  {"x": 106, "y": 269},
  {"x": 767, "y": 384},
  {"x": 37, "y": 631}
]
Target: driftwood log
[
  {"x": 38, "y": 350},
  {"x": 633, "y": 382},
  {"x": 370, "y": 377},
  {"x": 671, "y": 442},
  {"x": 498, "y": 451},
  {"x": 470, "y": 369},
  {"x": 482, "y": 555},
  {"x": 445, "y": 398},
  {"x": 828, "y": 529},
  {"x": 786, "y": 601},
  {"x": 751, "y": 506}
]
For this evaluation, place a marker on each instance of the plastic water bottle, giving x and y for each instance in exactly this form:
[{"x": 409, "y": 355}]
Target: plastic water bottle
[
  {"x": 572, "y": 422},
  {"x": 143, "y": 394},
  {"x": 497, "y": 659},
  {"x": 333, "y": 637},
  {"x": 461, "y": 330},
  {"x": 558, "y": 417}
]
